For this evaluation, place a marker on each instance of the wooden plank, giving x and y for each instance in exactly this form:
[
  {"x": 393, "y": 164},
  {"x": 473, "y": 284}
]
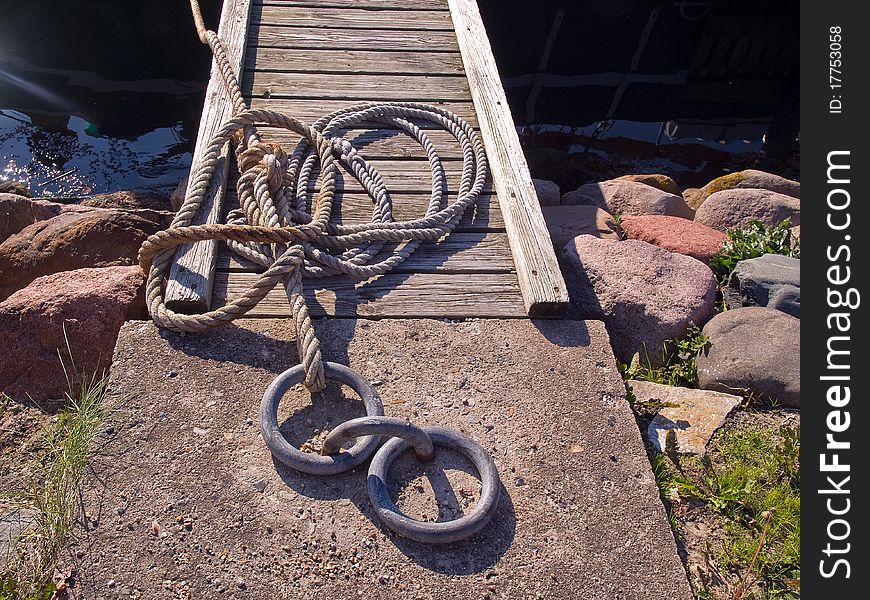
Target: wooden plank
[
  {"x": 374, "y": 144},
  {"x": 353, "y": 87},
  {"x": 354, "y": 17},
  {"x": 353, "y": 61},
  {"x": 356, "y": 207},
  {"x": 396, "y": 295},
  {"x": 409, "y": 5},
  {"x": 304, "y": 38},
  {"x": 543, "y": 288},
  {"x": 460, "y": 252},
  {"x": 311, "y": 109},
  {"x": 190, "y": 277}
]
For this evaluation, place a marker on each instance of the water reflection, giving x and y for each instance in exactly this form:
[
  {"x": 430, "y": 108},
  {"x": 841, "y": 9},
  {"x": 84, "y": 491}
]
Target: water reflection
[{"x": 66, "y": 156}]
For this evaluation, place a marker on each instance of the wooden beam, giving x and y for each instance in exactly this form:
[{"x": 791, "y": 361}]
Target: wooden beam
[
  {"x": 303, "y": 38},
  {"x": 355, "y": 17},
  {"x": 410, "y": 5},
  {"x": 543, "y": 288},
  {"x": 191, "y": 276},
  {"x": 346, "y": 62},
  {"x": 355, "y": 87}
]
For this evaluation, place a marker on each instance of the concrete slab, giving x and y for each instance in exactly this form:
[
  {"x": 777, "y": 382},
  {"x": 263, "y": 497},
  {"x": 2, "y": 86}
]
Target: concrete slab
[{"x": 186, "y": 501}]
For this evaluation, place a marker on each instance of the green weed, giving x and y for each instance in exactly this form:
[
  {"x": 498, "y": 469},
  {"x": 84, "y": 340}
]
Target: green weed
[
  {"x": 756, "y": 239},
  {"x": 53, "y": 498},
  {"x": 679, "y": 366},
  {"x": 751, "y": 479}
]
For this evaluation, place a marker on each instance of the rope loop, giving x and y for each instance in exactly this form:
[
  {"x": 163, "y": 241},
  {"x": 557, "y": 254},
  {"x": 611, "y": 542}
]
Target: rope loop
[{"x": 284, "y": 222}]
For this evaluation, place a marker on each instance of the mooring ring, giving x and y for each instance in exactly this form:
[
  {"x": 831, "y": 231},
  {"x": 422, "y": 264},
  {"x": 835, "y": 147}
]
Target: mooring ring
[
  {"x": 307, "y": 462},
  {"x": 385, "y": 426},
  {"x": 438, "y": 532}
]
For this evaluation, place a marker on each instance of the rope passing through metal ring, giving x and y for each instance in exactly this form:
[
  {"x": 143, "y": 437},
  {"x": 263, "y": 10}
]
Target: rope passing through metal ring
[{"x": 287, "y": 228}]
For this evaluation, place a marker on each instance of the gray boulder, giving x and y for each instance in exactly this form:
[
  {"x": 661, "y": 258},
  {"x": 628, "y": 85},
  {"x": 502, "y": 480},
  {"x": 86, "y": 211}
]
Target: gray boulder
[
  {"x": 629, "y": 198},
  {"x": 548, "y": 192},
  {"x": 753, "y": 350},
  {"x": 752, "y": 178},
  {"x": 730, "y": 209},
  {"x": 771, "y": 280},
  {"x": 567, "y": 222},
  {"x": 644, "y": 294}
]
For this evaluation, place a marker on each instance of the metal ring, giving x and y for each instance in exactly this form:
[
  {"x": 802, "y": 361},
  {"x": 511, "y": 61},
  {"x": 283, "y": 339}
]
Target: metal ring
[
  {"x": 442, "y": 532},
  {"x": 305, "y": 461},
  {"x": 387, "y": 426}
]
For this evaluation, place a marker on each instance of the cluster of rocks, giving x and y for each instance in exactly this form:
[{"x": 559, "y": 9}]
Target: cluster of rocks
[
  {"x": 635, "y": 253},
  {"x": 68, "y": 281}
]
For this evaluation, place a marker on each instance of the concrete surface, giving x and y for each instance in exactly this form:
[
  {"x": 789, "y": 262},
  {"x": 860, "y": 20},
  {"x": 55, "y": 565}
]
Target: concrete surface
[{"x": 184, "y": 499}]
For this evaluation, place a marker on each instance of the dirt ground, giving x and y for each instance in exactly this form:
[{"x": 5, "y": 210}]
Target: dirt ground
[
  {"x": 22, "y": 435},
  {"x": 185, "y": 501}
]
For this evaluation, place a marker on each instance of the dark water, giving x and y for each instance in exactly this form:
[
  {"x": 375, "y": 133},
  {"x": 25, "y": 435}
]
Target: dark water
[
  {"x": 99, "y": 95},
  {"x": 102, "y": 95}
]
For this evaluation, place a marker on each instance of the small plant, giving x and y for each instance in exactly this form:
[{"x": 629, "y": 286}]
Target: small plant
[
  {"x": 31, "y": 570},
  {"x": 679, "y": 366},
  {"x": 752, "y": 241},
  {"x": 617, "y": 226}
]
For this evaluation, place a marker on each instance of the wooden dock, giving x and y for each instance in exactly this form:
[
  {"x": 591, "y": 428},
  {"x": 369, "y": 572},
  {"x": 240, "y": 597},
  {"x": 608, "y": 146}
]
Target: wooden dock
[{"x": 309, "y": 58}]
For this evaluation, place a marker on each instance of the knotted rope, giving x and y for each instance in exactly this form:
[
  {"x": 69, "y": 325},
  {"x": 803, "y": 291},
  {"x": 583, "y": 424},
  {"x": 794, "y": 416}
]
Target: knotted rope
[{"x": 280, "y": 227}]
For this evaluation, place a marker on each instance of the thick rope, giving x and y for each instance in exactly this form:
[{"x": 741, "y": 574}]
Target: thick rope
[{"x": 282, "y": 228}]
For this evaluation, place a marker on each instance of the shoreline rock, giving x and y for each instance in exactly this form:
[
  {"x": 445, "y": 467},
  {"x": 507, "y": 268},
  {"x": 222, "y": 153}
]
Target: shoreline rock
[
  {"x": 644, "y": 294},
  {"x": 84, "y": 308}
]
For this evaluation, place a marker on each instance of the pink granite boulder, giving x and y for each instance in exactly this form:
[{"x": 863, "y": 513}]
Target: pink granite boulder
[
  {"x": 731, "y": 209},
  {"x": 628, "y": 198},
  {"x": 71, "y": 240},
  {"x": 644, "y": 294},
  {"x": 567, "y": 222},
  {"x": 675, "y": 234},
  {"x": 88, "y": 306}
]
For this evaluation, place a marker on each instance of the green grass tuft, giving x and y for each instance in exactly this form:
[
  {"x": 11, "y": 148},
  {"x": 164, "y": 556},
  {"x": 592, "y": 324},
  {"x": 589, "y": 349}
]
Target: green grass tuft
[
  {"x": 751, "y": 480},
  {"x": 54, "y": 495}
]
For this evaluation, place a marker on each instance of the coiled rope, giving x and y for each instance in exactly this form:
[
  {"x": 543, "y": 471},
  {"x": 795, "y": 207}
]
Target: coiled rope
[{"x": 282, "y": 228}]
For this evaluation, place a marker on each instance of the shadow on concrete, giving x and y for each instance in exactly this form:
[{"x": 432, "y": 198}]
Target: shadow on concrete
[
  {"x": 565, "y": 333},
  {"x": 234, "y": 344}
]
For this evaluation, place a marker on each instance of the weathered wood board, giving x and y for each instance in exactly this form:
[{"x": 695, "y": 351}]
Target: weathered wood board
[{"x": 190, "y": 276}]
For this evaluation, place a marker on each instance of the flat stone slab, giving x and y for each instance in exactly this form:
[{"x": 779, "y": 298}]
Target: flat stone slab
[
  {"x": 186, "y": 501},
  {"x": 693, "y": 415}
]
